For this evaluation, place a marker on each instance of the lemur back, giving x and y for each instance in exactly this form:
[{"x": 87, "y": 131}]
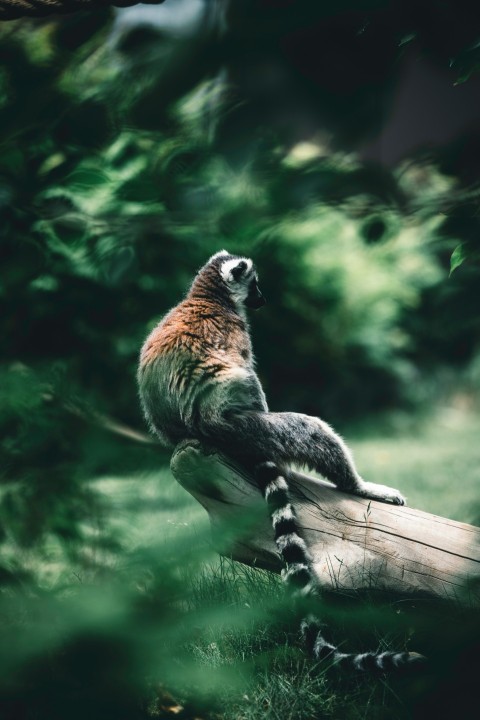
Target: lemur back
[
  {"x": 200, "y": 348},
  {"x": 197, "y": 381}
]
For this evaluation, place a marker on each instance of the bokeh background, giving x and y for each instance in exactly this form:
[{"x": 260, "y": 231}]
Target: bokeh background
[{"x": 338, "y": 144}]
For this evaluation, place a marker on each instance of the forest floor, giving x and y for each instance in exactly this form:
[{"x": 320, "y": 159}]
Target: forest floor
[{"x": 226, "y": 645}]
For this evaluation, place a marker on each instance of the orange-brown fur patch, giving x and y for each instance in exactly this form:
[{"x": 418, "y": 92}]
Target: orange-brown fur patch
[{"x": 197, "y": 328}]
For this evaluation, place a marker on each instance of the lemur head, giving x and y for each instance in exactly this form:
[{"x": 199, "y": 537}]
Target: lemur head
[{"x": 239, "y": 277}]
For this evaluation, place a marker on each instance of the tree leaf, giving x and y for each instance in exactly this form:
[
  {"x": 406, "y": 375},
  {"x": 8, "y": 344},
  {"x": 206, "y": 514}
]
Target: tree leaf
[
  {"x": 464, "y": 251},
  {"x": 459, "y": 255}
]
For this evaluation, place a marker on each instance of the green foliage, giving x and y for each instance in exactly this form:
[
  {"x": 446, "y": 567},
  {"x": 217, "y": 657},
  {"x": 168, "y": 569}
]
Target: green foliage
[
  {"x": 110, "y": 224},
  {"x": 464, "y": 251}
]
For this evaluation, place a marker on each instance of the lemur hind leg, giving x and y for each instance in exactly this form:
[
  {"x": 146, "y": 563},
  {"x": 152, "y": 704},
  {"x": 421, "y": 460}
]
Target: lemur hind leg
[
  {"x": 289, "y": 438},
  {"x": 349, "y": 480}
]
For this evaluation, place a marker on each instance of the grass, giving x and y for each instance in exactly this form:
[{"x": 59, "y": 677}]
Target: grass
[
  {"x": 213, "y": 639},
  {"x": 434, "y": 462}
]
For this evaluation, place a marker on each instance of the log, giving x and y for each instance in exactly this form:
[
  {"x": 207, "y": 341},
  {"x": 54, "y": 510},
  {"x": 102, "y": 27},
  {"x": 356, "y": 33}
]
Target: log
[{"x": 357, "y": 544}]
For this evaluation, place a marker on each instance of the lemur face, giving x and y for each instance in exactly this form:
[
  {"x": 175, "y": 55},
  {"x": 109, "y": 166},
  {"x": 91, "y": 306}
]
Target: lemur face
[{"x": 241, "y": 278}]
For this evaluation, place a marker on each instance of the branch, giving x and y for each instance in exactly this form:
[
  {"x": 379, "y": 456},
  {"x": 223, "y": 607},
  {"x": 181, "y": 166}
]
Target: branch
[{"x": 101, "y": 420}]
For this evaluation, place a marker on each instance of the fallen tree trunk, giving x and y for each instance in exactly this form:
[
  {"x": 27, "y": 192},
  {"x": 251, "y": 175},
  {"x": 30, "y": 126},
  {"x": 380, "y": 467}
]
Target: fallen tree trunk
[{"x": 356, "y": 544}]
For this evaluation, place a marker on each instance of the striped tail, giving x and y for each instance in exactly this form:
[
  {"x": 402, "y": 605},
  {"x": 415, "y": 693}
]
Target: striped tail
[{"x": 300, "y": 579}]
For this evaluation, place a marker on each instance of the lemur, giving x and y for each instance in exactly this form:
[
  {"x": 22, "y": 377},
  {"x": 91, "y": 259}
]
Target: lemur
[{"x": 197, "y": 380}]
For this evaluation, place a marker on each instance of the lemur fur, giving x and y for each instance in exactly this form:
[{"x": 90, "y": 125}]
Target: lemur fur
[{"x": 197, "y": 381}]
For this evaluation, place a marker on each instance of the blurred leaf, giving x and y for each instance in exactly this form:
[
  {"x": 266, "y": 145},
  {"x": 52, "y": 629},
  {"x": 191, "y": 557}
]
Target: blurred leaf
[
  {"x": 458, "y": 256},
  {"x": 464, "y": 251},
  {"x": 70, "y": 227},
  {"x": 119, "y": 264},
  {"x": 87, "y": 178}
]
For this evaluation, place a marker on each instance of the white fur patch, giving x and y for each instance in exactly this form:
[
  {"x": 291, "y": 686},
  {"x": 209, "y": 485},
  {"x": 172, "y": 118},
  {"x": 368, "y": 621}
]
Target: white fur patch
[
  {"x": 292, "y": 569},
  {"x": 291, "y": 539},
  {"x": 277, "y": 484},
  {"x": 358, "y": 661},
  {"x": 285, "y": 513},
  {"x": 219, "y": 254},
  {"x": 305, "y": 591},
  {"x": 235, "y": 373},
  {"x": 227, "y": 267},
  {"x": 320, "y": 644},
  {"x": 397, "y": 658}
]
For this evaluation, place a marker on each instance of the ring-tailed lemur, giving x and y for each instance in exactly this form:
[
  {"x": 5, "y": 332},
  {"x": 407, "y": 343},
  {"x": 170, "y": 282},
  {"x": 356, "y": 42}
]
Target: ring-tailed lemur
[{"x": 197, "y": 380}]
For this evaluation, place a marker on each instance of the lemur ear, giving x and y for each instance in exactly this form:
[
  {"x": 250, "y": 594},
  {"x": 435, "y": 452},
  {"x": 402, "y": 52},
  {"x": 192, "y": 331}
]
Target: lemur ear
[{"x": 238, "y": 270}]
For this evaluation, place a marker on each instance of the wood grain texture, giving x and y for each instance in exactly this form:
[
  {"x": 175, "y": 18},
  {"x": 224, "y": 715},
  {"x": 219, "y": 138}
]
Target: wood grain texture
[{"x": 356, "y": 544}]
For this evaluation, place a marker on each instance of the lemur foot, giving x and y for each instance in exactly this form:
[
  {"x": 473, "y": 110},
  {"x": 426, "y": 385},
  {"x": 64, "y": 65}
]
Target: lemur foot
[{"x": 374, "y": 491}]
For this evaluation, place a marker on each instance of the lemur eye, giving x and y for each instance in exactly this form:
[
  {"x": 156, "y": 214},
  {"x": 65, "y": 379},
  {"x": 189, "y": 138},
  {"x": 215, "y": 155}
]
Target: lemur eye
[{"x": 239, "y": 269}]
